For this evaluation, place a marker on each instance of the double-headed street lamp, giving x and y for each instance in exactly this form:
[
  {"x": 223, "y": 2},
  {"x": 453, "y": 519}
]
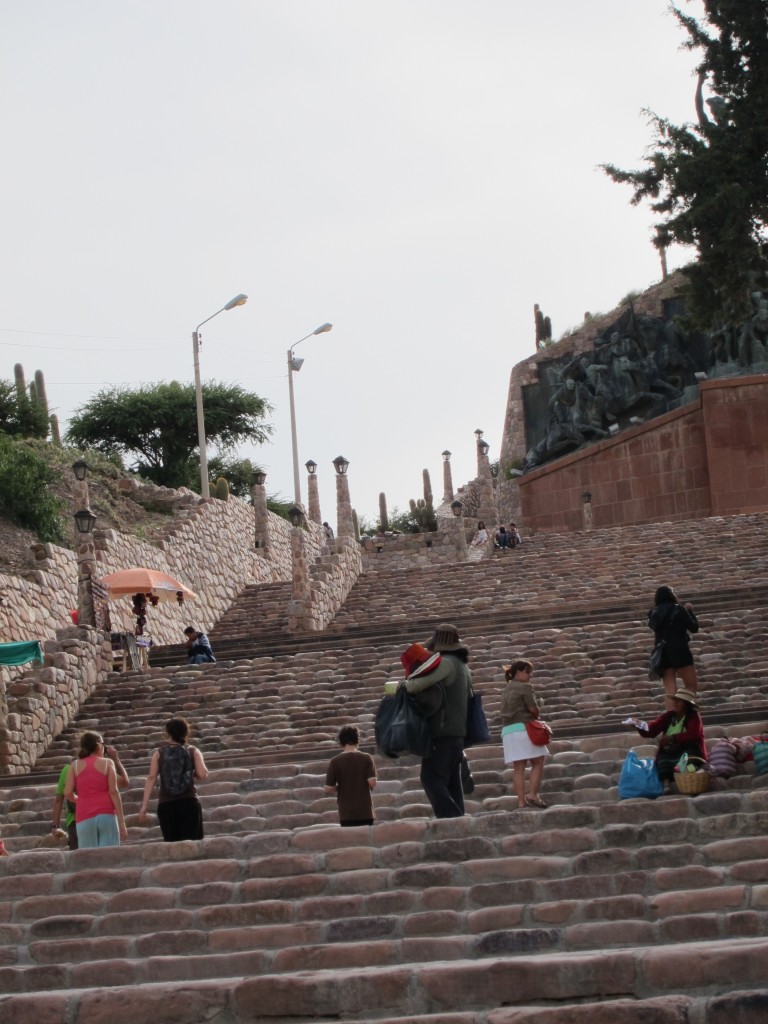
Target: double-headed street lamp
[
  {"x": 294, "y": 365},
  {"x": 239, "y": 300}
]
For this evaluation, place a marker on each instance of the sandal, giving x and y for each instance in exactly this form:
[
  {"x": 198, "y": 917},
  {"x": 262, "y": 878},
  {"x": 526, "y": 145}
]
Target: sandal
[{"x": 535, "y": 801}]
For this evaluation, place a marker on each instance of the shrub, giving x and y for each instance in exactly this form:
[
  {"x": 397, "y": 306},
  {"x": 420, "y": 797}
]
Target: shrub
[{"x": 25, "y": 494}]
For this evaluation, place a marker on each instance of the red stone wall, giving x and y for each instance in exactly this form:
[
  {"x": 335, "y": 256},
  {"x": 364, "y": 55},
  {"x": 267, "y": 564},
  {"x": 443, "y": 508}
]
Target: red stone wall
[
  {"x": 736, "y": 428},
  {"x": 708, "y": 458}
]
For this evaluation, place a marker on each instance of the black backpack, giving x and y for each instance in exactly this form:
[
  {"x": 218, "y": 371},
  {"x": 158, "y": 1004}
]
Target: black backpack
[{"x": 177, "y": 770}]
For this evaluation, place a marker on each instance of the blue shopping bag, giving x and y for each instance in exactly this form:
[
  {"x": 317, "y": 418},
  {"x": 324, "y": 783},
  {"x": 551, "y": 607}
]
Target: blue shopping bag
[{"x": 639, "y": 777}]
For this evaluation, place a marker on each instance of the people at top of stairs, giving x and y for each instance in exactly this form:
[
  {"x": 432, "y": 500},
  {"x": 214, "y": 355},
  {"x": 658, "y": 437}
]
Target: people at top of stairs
[
  {"x": 479, "y": 543},
  {"x": 351, "y": 777},
  {"x": 199, "y": 647},
  {"x": 441, "y": 770},
  {"x": 671, "y": 623},
  {"x": 176, "y": 764},
  {"x": 518, "y": 706}
]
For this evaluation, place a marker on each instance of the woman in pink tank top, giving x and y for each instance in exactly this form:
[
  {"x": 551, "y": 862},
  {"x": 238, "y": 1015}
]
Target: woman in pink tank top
[{"x": 92, "y": 784}]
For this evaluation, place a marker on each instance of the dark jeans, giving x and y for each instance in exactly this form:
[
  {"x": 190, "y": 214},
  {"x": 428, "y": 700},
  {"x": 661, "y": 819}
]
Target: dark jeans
[{"x": 441, "y": 777}]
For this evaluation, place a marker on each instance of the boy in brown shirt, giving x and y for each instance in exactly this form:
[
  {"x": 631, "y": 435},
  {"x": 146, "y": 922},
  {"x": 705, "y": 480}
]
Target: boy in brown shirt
[{"x": 351, "y": 776}]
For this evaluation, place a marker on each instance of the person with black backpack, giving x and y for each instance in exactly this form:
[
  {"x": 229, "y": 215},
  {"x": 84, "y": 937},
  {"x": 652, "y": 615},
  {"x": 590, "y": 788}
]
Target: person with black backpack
[{"x": 177, "y": 765}]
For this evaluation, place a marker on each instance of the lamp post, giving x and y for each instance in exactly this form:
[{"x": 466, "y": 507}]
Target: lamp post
[
  {"x": 260, "y": 511},
  {"x": 239, "y": 300},
  {"x": 313, "y": 499},
  {"x": 343, "y": 503},
  {"x": 84, "y": 547},
  {"x": 460, "y": 537},
  {"x": 294, "y": 365},
  {"x": 447, "y": 478}
]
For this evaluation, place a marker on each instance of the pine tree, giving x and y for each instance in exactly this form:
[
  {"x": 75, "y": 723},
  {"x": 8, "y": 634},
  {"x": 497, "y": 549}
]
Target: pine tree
[{"x": 708, "y": 181}]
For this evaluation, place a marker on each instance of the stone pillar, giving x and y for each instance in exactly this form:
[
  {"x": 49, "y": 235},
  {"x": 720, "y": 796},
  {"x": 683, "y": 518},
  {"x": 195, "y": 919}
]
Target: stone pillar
[
  {"x": 314, "y": 499},
  {"x": 487, "y": 510},
  {"x": 261, "y": 517},
  {"x": 345, "y": 526},
  {"x": 300, "y": 603},
  {"x": 85, "y": 551},
  {"x": 447, "y": 478},
  {"x": 460, "y": 538}
]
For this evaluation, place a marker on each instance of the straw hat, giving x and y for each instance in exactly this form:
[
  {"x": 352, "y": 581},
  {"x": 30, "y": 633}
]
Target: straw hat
[{"x": 687, "y": 696}]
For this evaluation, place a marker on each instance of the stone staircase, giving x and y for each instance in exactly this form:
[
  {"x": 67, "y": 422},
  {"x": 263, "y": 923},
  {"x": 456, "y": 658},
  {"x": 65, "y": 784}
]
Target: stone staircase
[{"x": 647, "y": 911}]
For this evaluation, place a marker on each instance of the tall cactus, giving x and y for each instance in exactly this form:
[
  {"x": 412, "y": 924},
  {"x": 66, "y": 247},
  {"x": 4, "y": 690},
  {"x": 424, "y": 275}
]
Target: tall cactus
[
  {"x": 55, "y": 435},
  {"x": 41, "y": 396},
  {"x": 356, "y": 524},
  {"x": 383, "y": 517},
  {"x": 427, "y": 486}
]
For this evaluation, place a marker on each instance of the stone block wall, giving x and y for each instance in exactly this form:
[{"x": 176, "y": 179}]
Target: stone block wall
[
  {"x": 41, "y": 702},
  {"x": 708, "y": 458},
  {"x": 736, "y": 438},
  {"x": 409, "y": 550}
]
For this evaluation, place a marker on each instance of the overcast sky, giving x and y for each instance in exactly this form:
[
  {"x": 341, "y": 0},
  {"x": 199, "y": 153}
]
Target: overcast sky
[{"x": 417, "y": 172}]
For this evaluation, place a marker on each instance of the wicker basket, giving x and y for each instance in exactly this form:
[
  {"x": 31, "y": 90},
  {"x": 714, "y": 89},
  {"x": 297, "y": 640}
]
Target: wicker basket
[{"x": 693, "y": 783}]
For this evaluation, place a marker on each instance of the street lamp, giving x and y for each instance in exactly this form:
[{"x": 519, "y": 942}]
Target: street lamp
[
  {"x": 341, "y": 465},
  {"x": 239, "y": 300},
  {"x": 294, "y": 365},
  {"x": 84, "y": 521}
]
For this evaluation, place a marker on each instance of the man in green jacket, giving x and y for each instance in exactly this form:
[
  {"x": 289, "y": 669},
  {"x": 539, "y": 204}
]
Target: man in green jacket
[{"x": 441, "y": 770}]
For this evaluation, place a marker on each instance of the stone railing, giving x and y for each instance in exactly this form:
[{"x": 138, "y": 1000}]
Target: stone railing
[
  {"x": 44, "y": 700},
  {"x": 329, "y": 579}
]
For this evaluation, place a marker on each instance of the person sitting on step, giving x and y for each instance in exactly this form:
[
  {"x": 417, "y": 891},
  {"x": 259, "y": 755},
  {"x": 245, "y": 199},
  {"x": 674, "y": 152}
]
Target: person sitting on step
[{"x": 199, "y": 645}]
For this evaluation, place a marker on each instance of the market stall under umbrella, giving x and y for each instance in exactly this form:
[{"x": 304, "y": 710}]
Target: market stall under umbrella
[{"x": 141, "y": 585}]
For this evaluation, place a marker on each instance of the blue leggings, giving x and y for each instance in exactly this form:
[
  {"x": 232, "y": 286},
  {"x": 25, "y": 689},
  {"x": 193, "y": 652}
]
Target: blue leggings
[{"x": 99, "y": 831}]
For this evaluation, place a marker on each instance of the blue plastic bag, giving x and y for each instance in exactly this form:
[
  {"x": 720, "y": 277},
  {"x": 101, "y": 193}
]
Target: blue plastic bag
[{"x": 639, "y": 778}]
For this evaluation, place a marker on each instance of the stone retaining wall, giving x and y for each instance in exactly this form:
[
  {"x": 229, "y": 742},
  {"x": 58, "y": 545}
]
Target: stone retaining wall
[
  {"x": 409, "y": 550},
  {"x": 209, "y": 547}
]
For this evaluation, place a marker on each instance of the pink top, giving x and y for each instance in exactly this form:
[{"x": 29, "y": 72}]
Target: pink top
[{"x": 92, "y": 791}]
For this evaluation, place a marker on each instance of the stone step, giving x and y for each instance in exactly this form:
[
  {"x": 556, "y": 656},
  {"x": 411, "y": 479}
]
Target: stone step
[{"x": 716, "y": 983}]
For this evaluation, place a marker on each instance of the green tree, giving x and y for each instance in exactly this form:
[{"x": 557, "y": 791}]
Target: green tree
[
  {"x": 708, "y": 181},
  {"x": 25, "y": 490},
  {"x": 155, "y": 426}
]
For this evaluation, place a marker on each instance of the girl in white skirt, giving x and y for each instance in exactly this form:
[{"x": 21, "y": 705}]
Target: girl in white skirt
[{"x": 518, "y": 706}]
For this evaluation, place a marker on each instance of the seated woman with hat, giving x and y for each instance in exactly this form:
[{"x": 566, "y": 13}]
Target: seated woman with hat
[{"x": 680, "y": 731}]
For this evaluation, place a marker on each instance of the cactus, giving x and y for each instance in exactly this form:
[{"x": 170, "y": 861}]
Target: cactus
[
  {"x": 32, "y": 416},
  {"x": 427, "y": 486},
  {"x": 424, "y": 514},
  {"x": 383, "y": 518},
  {"x": 40, "y": 396},
  {"x": 21, "y": 386},
  {"x": 221, "y": 490},
  {"x": 55, "y": 435},
  {"x": 356, "y": 525}
]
